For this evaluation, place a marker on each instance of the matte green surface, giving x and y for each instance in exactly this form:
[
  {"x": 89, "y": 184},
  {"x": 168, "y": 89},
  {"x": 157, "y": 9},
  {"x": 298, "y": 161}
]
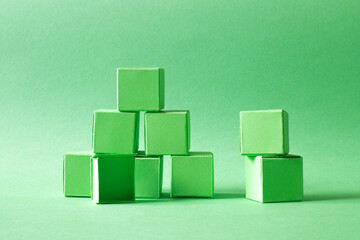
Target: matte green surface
[
  {"x": 115, "y": 132},
  {"x": 274, "y": 178},
  {"x": 193, "y": 175},
  {"x": 148, "y": 176},
  {"x": 113, "y": 178},
  {"x": 140, "y": 89},
  {"x": 76, "y": 174},
  {"x": 264, "y": 132},
  {"x": 58, "y": 64},
  {"x": 167, "y": 133}
]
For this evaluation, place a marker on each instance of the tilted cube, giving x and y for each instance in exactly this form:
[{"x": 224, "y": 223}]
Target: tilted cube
[
  {"x": 115, "y": 132},
  {"x": 76, "y": 174},
  {"x": 274, "y": 178},
  {"x": 140, "y": 89},
  {"x": 167, "y": 133},
  {"x": 148, "y": 176},
  {"x": 113, "y": 178},
  {"x": 264, "y": 132},
  {"x": 193, "y": 175}
]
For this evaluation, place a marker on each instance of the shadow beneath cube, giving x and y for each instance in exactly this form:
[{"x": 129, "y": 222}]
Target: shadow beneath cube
[
  {"x": 331, "y": 196},
  {"x": 228, "y": 195}
]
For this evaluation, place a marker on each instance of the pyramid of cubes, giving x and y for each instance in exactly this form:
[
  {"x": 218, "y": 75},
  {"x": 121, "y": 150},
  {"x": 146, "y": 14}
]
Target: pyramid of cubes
[
  {"x": 116, "y": 171},
  {"x": 272, "y": 175}
]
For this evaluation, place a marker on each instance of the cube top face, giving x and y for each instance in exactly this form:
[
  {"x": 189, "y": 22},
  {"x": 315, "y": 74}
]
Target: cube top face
[
  {"x": 274, "y": 178},
  {"x": 115, "y": 132},
  {"x": 113, "y": 178},
  {"x": 167, "y": 133},
  {"x": 140, "y": 89},
  {"x": 76, "y": 174},
  {"x": 148, "y": 176},
  {"x": 193, "y": 175},
  {"x": 264, "y": 132}
]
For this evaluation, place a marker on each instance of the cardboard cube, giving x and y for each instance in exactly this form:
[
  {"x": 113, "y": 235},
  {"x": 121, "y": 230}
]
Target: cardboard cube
[
  {"x": 264, "y": 132},
  {"x": 193, "y": 175},
  {"x": 274, "y": 178},
  {"x": 167, "y": 133},
  {"x": 148, "y": 176},
  {"x": 140, "y": 89},
  {"x": 115, "y": 132},
  {"x": 76, "y": 174},
  {"x": 113, "y": 178}
]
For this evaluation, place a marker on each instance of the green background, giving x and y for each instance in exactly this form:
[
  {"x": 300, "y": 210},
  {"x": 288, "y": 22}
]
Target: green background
[{"x": 58, "y": 63}]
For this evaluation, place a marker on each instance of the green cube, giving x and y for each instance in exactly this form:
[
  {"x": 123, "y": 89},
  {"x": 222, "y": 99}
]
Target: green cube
[
  {"x": 167, "y": 133},
  {"x": 115, "y": 132},
  {"x": 140, "y": 89},
  {"x": 264, "y": 132},
  {"x": 113, "y": 178},
  {"x": 193, "y": 175},
  {"x": 274, "y": 178},
  {"x": 148, "y": 176},
  {"x": 76, "y": 174}
]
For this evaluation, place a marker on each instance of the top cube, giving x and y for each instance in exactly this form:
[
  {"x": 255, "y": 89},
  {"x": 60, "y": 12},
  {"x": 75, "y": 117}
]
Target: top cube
[
  {"x": 140, "y": 89},
  {"x": 264, "y": 132}
]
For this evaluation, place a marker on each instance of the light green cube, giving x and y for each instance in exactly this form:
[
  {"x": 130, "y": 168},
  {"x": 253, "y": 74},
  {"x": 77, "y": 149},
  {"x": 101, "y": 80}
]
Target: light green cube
[
  {"x": 264, "y": 132},
  {"x": 274, "y": 178},
  {"x": 193, "y": 175},
  {"x": 148, "y": 176},
  {"x": 140, "y": 89},
  {"x": 115, "y": 132},
  {"x": 167, "y": 133},
  {"x": 76, "y": 174},
  {"x": 113, "y": 178}
]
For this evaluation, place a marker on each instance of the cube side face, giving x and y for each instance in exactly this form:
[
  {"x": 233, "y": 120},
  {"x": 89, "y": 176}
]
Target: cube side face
[
  {"x": 113, "y": 179},
  {"x": 148, "y": 177},
  {"x": 192, "y": 176},
  {"x": 162, "y": 88},
  {"x": 76, "y": 172},
  {"x": 253, "y": 176},
  {"x": 140, "y": 89},
  {"x": 115, "y": 132},
  {"x": 286, "y": 132},
  {"x": 167, "y": 133},
  {"x": 283, "y": 179},
  {"x": 263, "y": 132}
]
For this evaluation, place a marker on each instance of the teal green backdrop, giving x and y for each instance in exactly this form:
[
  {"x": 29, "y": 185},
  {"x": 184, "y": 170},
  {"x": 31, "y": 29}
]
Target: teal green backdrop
[{"x": 58, "y": 63}]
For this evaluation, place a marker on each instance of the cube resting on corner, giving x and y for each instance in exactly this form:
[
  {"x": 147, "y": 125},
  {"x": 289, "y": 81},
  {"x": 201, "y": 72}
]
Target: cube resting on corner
[
  {"x": 274, "y": 178},
  {"x": 76, "y": 174},
  {"x": 148, "y": 176},
  {"x": 113, "y": 178},
  {"x": 115, "y": 132},
  {"x": 167, "y": 133},
  {"x": 264, "y": 132},
  {"x": 193, "y": 175}
]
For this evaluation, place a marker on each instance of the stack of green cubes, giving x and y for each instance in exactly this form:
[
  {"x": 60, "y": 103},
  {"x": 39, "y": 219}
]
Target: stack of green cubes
[
  {"x": 116, "y": 171},
  {"x": 272, "y": 175}
]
